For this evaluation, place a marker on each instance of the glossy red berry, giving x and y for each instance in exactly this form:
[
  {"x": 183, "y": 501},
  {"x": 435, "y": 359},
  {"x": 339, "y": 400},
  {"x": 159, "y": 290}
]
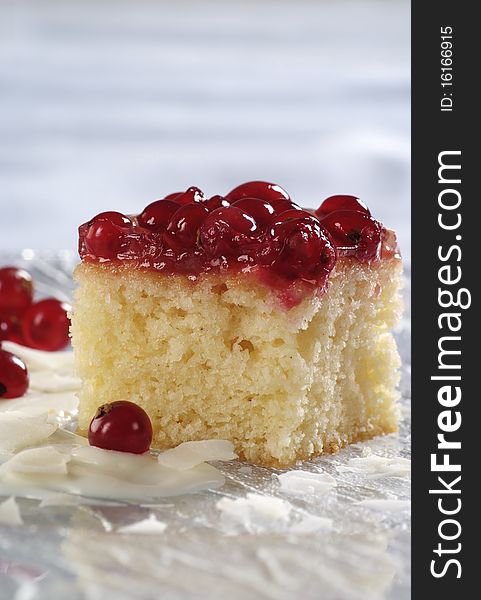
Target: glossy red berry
[
  {"x": 105, "y": 234},
  {"x": 16, "y": 291},
  {"x": 281, "y": 206},
  {"x": 216, "y": 202},
  {"x": 156, "y": 216},
  {"x": 46, "y": 325},
  {"x": 227, "y": 231},
  {"x": 122, "y": 426},
  {"x": 263, "y": 190},
  {"x": 192, "y": 194},
  {"x": 262, "y": 212},
  {"x": 293, "y": 213},
  {"x": 354, "y": 233},
  {"x": 13, "y": 376},
  {"x": 306, "y": 248},
  {"x": 183, "y": 228},
  {"x": 11, "y": 329},
  {"x": 341, "y": 202},
  {"x": 172, "y": 196}
]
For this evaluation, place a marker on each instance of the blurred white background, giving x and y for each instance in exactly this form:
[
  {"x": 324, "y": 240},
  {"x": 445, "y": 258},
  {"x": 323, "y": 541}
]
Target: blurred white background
[{"x": 111, "y": 104}]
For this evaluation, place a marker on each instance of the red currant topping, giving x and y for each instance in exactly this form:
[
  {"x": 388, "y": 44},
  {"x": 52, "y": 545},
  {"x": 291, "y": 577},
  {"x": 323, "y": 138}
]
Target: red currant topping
[
  {"x": 193, "y": 194},
  {"x": 11, "y": 329},
  {"x": 16, "y": 291},
  {"x": 354, "y": 233},
  {"x": 260, "y": 210},
  {"x": 226, "y": 231},
  {"x": 183, "y": 228},
  {"x": 121, "y": 426},
  {"x": 341, "y": 202},
  {"x": 157, "y": 215},
  {"x": 306, "y": 248},
  {"x": 13, "y": 376},
  {"x": 269, "y": 192},
  {"x": 105, "y": 234},
  {"x": 46, "y": 325},
  {"x": 256, "y": 228}
]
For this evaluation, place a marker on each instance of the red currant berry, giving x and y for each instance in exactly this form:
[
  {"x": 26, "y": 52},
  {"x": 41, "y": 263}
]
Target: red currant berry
[
  {"x": 16, "y": 291},
  {"x": 105, "y": 234},
  {"x": 226, "y": 231},
  {"x": 13, "y": 376},
  {"x": 281, "y": 206},
  {"x": 341, "y": 202},
  {"x": 156, "y": 216},
  {"x": 293, "y": 213},
  {"x": 307, "y": 249},
  {"x": 354, "y": 233},
  {"x": 258, "y": 209},
  {"x": 172, "y": 196},
  {"x": 11, "y": 329},
  {"x": 216, "y": 202},
  {"x": 121, "y": 426},
  {"x": 193, "y": 194},
  {"x": 46, "y": 325},
  {"x": 269, "y": 192},
  {"x": 183, "y": 228},
  {"x": 389, "y": 245}
]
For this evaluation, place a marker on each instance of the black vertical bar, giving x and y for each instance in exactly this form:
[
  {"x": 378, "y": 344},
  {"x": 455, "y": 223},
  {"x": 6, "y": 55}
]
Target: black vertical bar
[{"x": 445, "y": 119}]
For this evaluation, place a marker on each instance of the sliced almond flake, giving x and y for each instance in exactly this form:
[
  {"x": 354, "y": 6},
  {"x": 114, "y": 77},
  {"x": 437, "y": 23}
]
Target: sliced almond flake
[
  {"x": 46, "y": 460},
  {"x": 60, "y": 500},
  {"x": 255, "y": 513},
  {"x": 375, "y": 466},
  {"x": 150, "y": 526},
  {"x": 17, "y": 430},
  {"x": 39, "y": 360},
  {"x": 302, "y": 483},
  {"x": 10, "y": 513},
  {"x": 37, "y": 403},
  {"x": 189, "y": 454},
  {"x": 46, "y": 381}
]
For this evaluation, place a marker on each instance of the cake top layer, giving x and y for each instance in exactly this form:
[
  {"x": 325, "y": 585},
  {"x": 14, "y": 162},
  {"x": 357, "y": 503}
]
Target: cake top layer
[{"x": 256, "y": 226}]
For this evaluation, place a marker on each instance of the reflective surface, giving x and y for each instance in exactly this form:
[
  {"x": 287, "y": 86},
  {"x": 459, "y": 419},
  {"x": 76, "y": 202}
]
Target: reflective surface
[{"x": 257, "y": 537}]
